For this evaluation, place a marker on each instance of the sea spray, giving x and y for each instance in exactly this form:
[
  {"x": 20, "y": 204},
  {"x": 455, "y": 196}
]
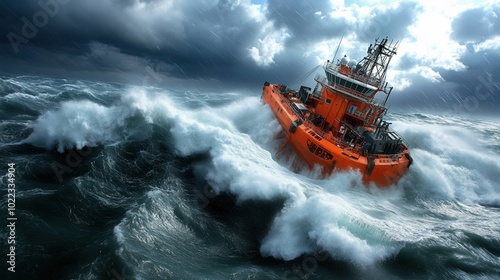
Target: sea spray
[
  {"x": 78, "y": 124},
  {"x": 450, "y": 162},
  {"x": 325, "y": 222}
]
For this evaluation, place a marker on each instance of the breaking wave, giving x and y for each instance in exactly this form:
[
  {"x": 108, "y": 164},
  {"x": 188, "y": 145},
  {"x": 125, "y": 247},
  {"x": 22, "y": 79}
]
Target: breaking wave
[{"x": 337, "y": 215}]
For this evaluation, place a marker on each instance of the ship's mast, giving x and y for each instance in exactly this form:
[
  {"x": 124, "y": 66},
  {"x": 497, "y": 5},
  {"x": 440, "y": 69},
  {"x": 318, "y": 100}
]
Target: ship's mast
[
  {"x": 374, "y": 64},
  {"x": 337, "y": 50}
]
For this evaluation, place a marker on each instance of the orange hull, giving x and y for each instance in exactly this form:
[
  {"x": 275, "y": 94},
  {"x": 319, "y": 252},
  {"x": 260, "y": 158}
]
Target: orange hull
[{"x": 332, "y": 153}]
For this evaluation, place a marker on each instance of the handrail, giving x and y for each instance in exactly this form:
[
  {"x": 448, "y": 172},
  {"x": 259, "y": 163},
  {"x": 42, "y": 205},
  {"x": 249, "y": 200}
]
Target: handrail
[
  {"x": 336, "y": 140},
  {"x": 322, "y": 80},
  {"x": 362, "y": 78}
]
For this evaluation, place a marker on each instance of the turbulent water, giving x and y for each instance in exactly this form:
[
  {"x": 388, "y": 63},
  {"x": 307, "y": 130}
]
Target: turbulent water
[{"x": 122, "y": 182}]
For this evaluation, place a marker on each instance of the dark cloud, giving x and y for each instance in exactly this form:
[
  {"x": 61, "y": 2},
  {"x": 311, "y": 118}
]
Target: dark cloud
[
  {"x": 392, "y": 22},
  {"x": 472, "y": 92},
  {"x": 460, "y": 94},
  {"x": 188, "y": 40},
  {"x": 477, "y": 24},
  {"x": 312, "y": 21},
  {"x": 306, "y": 20},
  {"x": 406, "y": 62},
  {"x": 196, "y": 39}
]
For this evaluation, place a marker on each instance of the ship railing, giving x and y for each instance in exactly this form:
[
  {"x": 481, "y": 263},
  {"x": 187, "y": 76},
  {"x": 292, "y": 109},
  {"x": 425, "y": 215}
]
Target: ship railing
[
  {"x": 385, "y": 156},
  {"x": 347, "y": 91},
  {"x": 294, "y": 109},
  {"x": 321, "y": 79},
  {"x": 360, "y": 77},
  {"x": 336, "y": 140},
  {"x": 355, "y": 93},
  {"x": 357, "y": 148},
  {"x": 401, "y": 137}
]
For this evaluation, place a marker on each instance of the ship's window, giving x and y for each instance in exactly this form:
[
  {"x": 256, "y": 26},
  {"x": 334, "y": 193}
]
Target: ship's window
[
  {"x": 328, "y": 101},
  {"x": 317, "y": 92},
  {"x": 352, "y": 109}
]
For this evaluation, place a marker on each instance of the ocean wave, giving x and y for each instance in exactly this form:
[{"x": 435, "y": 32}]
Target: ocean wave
[
  {"x": 326, "y": 222},
  {"x": 78, "y": 124},
  {"x": 337, "y": 214},
  {"x": 451, "y": 161}
]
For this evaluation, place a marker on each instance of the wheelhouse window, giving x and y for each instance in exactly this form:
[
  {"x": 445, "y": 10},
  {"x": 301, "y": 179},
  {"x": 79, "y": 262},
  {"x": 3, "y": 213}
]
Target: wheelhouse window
[{"x": 350, "y": 85}]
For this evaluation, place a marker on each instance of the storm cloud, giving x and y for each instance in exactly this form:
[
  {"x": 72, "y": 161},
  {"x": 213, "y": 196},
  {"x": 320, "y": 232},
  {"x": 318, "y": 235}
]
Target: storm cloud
[{"x": 446, "y": 60}]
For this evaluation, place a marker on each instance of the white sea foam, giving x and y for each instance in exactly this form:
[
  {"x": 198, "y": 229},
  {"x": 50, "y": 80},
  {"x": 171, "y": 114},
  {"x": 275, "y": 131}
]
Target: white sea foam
[
  {"x": 327, "y": 222},
  {"x": 452, "y": 162},
  {"x": 78, "y": 124},
  {"x": 239, "y": 165}
]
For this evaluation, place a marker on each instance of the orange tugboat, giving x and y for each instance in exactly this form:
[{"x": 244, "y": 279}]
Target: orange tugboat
[{"x": 339, "y": 124}]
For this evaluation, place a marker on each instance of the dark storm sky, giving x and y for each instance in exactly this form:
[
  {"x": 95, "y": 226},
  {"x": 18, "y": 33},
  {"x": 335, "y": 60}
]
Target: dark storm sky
[{"x": 448, "y": 60}]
